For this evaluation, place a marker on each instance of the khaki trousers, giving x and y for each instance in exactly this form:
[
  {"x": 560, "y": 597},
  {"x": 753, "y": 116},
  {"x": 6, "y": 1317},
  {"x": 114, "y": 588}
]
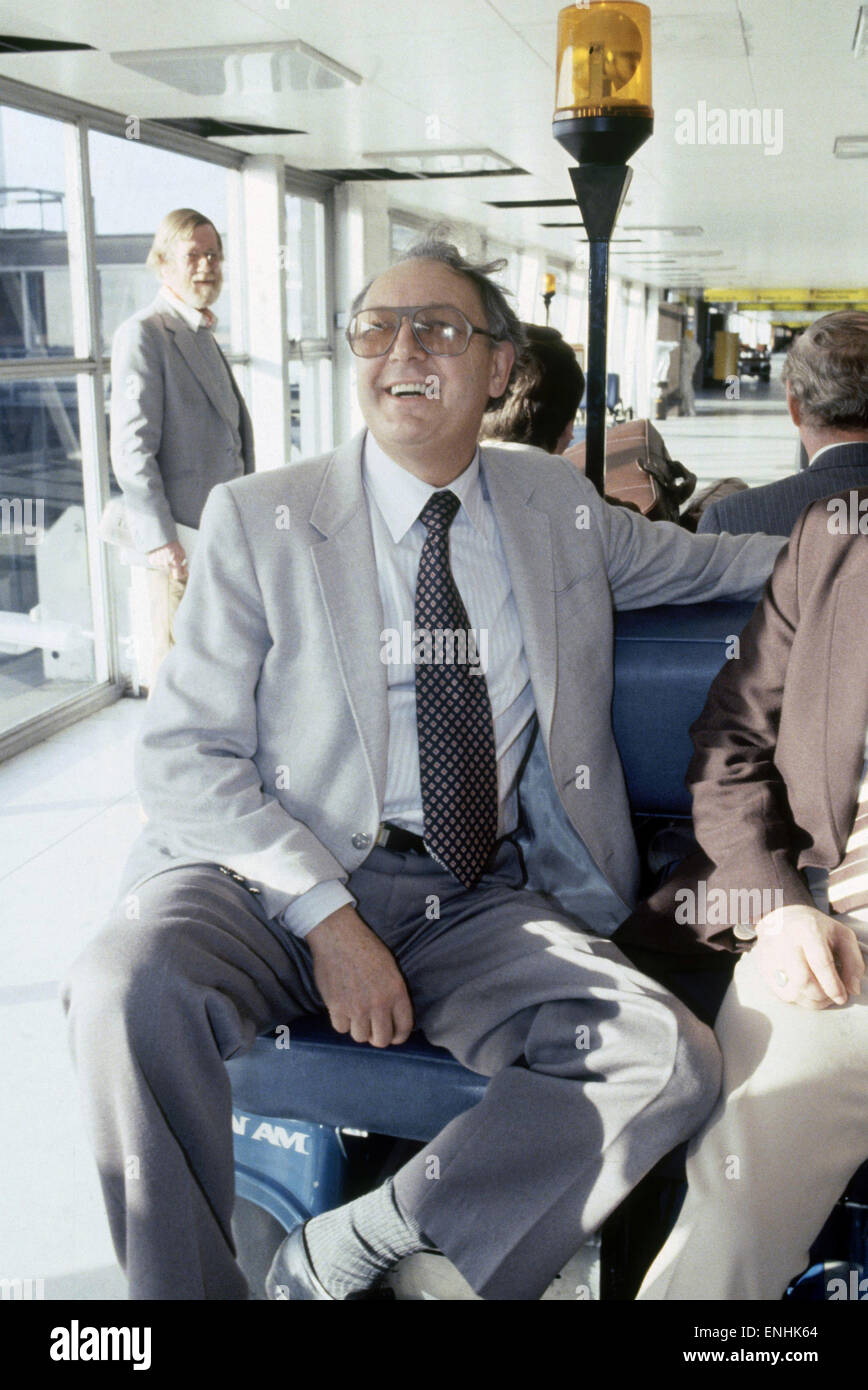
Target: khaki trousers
[
  {"x": 154, "y": 599},
  {"x": 789, "y": 1131}
]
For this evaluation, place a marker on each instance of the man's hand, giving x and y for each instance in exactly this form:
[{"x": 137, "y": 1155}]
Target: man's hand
[
  {"x": 807, "y": 958},
  {"x": 361, "y": 985},
  {"x": 171, "y": 557}
]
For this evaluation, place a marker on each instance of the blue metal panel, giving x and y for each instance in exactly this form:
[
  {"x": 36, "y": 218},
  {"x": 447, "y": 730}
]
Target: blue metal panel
[{"x": 291, "y": 1168}]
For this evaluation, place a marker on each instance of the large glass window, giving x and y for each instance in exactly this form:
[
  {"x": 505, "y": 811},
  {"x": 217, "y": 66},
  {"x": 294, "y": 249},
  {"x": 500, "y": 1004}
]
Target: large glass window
[
  {"x": 404, "y": 232},
  {"x": 305, "y": 270},
  {"x": 35, "y": 297},
  {"x": 54, "y": 575},
  {"x": 46, "y": 628},
  {"x": 134, "y": 186},
  {"x": 307, "y": 325}
]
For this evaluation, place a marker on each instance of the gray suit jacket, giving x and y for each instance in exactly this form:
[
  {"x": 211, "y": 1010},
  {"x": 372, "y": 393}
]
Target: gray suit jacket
[
  {"x": 776, "y": 507},
  {"x": 266, "y": 739},
  {"x": 170, "y": 438}
]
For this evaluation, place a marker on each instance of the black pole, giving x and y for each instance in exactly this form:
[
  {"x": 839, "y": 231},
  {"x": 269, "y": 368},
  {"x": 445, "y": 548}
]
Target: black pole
[
  {"x": 600, "y": 190},
  {"x": 595, "y": 382}
]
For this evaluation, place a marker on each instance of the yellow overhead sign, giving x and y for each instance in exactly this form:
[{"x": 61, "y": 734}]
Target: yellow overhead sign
[{"x": 784, "y": 299}]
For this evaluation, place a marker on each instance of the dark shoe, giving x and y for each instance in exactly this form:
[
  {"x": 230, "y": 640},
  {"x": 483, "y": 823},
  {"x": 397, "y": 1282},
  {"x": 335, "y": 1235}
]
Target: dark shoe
[{"x": 291, "y": 1275}]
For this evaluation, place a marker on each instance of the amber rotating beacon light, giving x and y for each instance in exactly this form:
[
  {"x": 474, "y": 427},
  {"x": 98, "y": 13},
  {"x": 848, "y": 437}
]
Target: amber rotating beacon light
[{"x": 603, "y": 113}]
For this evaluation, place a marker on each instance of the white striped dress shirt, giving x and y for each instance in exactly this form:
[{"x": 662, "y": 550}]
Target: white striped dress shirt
[
  {"x": 854, "y": 879},
  {"x": 395, "y": 498}
]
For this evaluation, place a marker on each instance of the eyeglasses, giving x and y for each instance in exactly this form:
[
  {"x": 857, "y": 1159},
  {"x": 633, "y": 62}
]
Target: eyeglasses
[
  {"x": 439, "y": 329},
  {"x": 194, "y": 257}
]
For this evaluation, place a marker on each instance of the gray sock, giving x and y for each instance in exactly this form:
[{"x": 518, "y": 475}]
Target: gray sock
[{"x": 352, "y": 1245}]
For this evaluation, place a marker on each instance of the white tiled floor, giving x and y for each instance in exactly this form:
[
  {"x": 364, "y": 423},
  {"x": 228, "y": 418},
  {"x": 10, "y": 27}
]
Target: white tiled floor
[{"x": 69, "y": 815}]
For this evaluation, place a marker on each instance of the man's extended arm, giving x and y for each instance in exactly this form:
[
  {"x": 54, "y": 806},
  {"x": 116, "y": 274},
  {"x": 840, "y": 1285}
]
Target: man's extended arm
[{"x": 652, "y": 562}]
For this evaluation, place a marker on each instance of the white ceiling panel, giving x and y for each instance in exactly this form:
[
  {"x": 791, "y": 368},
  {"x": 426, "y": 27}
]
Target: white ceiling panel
[
  {"x": 117, "y": 24},
  {"x": 485, "y": 69}
]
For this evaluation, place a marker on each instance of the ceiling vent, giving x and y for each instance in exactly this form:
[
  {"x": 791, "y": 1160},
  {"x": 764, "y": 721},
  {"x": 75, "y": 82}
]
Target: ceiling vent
[
  {"x": 249, "y": 70},
  {"x": 209, "y": 128},
  {"x": 534, "y": 203},
  {"x": 10, "y": 44},
  {"x": 373, "y": 175}
]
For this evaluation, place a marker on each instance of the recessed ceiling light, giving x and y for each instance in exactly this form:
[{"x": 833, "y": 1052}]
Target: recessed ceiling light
[
  {"x": 675, "y": 231},
  {"x": 441, "y": 161},
  {"x": 851, "y": 147},
  {"x": 860, "y": 38},
  {"x": 684, "y": 255},
  {"x": 533, "y": 203},
  {"x": 232, "y": 71}
]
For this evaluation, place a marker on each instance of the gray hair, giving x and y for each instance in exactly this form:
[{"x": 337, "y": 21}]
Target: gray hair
[
  {"x": 827, "y": 371},
  {"x": 503, "y": 322}
]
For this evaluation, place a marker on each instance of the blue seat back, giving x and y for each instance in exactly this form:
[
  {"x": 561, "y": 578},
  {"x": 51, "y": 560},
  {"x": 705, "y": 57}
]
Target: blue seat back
[{"x": 665, "y": 660}]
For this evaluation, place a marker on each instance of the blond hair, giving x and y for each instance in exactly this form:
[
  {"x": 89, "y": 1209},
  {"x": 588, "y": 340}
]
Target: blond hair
[{"x": 180, "y": 223}]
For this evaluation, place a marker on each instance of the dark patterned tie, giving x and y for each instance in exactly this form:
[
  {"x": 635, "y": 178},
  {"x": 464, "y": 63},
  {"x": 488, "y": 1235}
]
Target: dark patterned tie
[{"x": 457, "y": 764}]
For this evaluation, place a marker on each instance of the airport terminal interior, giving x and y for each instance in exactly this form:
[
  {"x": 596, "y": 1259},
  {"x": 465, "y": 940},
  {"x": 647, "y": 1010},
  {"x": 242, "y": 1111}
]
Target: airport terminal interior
[{"x": 322, "y": 140}]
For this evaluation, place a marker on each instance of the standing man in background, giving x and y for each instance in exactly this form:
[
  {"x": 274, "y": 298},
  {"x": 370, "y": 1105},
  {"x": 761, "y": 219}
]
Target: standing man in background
[
  {"x": 690, "y": 355},
  {"x": 826, "y": 378},
  {"x": 179, "y": 424}
]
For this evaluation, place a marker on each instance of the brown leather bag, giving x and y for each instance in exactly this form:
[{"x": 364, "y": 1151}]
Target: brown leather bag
[
  {"x": 724, "y": 487},
  {"x": 640, "y": 472}
]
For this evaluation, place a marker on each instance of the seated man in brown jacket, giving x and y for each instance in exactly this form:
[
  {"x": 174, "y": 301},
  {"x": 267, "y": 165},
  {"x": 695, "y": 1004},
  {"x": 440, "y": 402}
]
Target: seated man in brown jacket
[{"x": 780, "y": 787}]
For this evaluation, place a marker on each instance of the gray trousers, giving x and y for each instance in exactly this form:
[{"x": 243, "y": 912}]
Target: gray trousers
[{"x": 596, "y": 1070}]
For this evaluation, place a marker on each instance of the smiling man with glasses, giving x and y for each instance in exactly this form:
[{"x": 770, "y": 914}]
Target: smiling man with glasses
[{"x": 398, "y": 843}]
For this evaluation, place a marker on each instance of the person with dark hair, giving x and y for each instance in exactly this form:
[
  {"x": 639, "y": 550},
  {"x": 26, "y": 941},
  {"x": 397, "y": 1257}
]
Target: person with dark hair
[
  {"x": 545, "y": 392},
  {"x": 359, "y": 771},
  {"x": 826, "y": 376}
]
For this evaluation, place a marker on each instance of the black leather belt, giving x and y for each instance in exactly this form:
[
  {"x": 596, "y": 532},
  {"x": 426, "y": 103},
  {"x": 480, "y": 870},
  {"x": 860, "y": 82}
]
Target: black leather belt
[{"x": 403, "y": 841}]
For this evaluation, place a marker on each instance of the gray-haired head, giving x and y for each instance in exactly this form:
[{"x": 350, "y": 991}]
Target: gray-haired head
[
  {"x": 827, "y": 371},
  {"x": 501, "y": 319}
]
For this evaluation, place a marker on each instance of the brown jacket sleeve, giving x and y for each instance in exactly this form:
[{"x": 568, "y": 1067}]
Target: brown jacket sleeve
[{"x": 742, "y": 819}]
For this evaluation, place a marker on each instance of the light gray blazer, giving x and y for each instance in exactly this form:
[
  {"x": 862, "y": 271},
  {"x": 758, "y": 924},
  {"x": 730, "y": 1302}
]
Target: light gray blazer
[
  {"x": 171, "y": 439},
  {"x": 266, "y": 739}
]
